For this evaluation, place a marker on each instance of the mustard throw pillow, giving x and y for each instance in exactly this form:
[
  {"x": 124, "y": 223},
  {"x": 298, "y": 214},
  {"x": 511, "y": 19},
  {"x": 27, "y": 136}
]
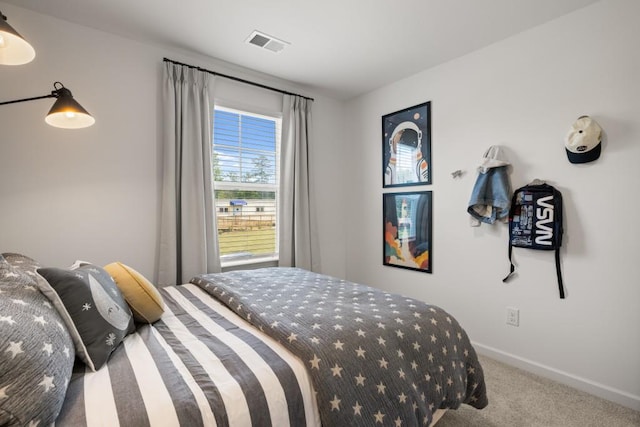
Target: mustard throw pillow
[{"x": 143, "y": 298}]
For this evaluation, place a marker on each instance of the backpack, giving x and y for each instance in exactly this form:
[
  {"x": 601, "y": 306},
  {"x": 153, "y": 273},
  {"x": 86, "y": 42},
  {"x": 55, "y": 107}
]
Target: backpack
[{"x": 535, "y": 222}]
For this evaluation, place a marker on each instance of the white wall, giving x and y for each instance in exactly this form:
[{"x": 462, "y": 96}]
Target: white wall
[
  {"x": 524, "y": 93},
  {"x": 94, "y": 193}
]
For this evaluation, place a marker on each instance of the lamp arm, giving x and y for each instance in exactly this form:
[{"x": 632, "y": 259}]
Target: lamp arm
[{"x": 51, "y": 95}]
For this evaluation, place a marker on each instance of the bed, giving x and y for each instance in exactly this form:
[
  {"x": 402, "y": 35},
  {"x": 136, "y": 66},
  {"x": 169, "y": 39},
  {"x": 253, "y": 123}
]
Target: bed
[{"x": 266, "y": 347}]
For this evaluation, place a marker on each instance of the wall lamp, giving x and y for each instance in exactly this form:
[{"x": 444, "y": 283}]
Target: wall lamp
[
  {"x": 14, "y": 49},
  {"x": 66, "y": 112}
]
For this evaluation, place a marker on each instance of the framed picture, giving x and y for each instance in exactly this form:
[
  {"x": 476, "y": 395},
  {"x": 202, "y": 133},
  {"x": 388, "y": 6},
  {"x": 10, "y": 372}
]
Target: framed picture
[
  {"x": 406, "y": 147},
  {"x": 407, "y": 230}
]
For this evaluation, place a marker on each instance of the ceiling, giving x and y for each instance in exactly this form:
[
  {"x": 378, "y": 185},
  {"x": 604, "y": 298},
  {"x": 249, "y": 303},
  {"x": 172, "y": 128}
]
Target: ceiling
[{"x": 342, "y": 48}]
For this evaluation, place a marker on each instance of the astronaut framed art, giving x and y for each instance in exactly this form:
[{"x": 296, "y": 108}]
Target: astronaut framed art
[
  {"x": 407, "y": 230},
  {"x": 406, "y": 147}
]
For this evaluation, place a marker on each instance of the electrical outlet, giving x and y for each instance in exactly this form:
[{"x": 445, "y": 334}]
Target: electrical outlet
[{"x": 513, "y": 316}]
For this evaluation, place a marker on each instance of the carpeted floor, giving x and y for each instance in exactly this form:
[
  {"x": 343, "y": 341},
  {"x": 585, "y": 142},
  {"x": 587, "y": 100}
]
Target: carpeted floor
[{"x": 520, "y": 399}]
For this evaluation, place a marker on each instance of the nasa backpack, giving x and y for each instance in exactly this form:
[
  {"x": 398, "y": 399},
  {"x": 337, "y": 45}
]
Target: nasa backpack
[{"x": 535, "y": 222}]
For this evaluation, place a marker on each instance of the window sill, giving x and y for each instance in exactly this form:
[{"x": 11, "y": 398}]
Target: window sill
[{"x": 249, "y": 264}]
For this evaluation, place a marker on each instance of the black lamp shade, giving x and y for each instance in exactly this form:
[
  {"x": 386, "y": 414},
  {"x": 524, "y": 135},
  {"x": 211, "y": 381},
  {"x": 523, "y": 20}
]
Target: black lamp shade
[
  {"x": 14, "y": 50},
  {"x": 67, "y": 113}
]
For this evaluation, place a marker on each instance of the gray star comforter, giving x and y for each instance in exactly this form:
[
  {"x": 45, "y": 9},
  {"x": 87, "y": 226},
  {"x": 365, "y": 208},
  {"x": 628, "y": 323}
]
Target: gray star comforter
[{"x": 374, "y": 357}]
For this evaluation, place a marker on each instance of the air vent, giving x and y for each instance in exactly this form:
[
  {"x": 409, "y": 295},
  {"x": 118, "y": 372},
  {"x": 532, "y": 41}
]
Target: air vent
[{"x": 266, "y": 42}]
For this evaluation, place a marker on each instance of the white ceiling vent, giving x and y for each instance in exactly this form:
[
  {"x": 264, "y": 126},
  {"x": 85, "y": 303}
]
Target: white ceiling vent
[{"x": 267, "y": 42}]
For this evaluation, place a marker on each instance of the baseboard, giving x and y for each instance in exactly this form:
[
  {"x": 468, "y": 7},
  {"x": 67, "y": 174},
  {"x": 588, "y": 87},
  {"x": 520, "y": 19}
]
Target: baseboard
[{"x": 605, "y": 392}]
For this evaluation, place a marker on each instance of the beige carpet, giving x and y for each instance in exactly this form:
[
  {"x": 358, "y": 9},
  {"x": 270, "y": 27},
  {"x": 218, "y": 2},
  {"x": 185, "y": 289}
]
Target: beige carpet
[{"x": 520, "y": 399}]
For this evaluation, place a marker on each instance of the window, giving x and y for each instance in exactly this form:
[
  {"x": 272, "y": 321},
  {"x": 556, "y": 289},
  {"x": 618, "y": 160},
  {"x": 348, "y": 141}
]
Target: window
[{"x": 246, "y": 148}]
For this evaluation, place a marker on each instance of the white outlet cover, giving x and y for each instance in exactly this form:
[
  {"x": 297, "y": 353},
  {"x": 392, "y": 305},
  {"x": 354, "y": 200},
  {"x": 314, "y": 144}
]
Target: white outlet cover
[{"x": 513, "y": 316}]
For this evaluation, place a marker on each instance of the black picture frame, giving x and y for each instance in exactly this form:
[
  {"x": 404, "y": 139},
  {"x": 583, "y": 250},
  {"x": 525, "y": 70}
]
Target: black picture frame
[
  {"x": 407, "y": 230},
  {"x": 406, "y": 147}
]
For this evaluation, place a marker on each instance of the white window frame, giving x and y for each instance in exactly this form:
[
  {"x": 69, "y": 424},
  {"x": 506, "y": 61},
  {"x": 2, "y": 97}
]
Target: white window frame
[{"x": 270, "y": 259}]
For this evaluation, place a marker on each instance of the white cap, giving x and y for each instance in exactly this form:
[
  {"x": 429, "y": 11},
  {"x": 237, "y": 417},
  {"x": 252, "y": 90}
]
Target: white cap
[{"x": 583, "y": 142}]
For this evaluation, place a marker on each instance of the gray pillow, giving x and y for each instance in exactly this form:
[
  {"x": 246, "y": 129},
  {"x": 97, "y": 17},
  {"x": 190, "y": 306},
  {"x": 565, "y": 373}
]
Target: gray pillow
[
  {"x": 93, "y": 308},
  {"x": 36, "y": 350}
]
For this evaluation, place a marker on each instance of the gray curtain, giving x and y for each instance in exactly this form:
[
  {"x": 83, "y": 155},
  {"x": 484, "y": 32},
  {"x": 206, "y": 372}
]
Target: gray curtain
[
  {"x": 188, "y": 235},
  {"x": 298, "y": 240}
]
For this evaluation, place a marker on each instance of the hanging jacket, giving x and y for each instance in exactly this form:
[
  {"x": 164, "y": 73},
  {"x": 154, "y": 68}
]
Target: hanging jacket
[{"x": 491, "y": 195}]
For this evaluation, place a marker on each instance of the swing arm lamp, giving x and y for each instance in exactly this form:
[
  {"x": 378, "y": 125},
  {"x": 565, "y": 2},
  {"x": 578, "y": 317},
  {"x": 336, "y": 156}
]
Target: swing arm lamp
[{"x": 66, "y": 112}]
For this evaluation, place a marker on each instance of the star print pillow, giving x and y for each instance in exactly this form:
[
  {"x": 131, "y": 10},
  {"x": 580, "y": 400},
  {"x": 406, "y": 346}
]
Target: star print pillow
[
  {"x": 93, "y": 308},
  {"x": 36, "y": 350}
]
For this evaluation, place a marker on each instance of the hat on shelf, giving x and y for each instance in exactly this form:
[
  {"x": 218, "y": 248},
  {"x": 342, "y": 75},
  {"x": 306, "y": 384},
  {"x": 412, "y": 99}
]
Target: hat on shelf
[{"x": 583, "y": 142}]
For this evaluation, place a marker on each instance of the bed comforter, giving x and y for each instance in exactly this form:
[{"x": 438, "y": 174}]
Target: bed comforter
[
  {"x": 374, "y": 357},
  {"x": 199, "y": 365}
]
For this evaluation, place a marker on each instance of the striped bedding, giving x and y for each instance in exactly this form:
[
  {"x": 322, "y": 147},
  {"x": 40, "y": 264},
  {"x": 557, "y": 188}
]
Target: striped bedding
[{"x": 199, "y": 365}]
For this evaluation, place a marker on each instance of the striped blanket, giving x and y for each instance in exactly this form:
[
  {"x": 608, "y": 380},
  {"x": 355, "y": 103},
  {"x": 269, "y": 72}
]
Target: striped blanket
[{"x": 199, "y": 365}]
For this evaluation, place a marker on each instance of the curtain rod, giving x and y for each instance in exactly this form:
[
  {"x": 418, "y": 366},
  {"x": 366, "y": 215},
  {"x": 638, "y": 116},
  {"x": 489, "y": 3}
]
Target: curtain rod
[{"x": 215, "y": 73}]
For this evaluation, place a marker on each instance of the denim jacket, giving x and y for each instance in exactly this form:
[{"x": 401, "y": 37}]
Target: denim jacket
[{"x": 491, "y": 195}]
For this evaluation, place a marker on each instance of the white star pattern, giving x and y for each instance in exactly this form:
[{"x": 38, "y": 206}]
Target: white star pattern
[
  {"x": 47, "y": 382},
  {"x": 111, "y": 339},
  {"x": 357, "y": 408},
  {"x": 86, "y": 306},
  {"x": 48, "y": 348},
  {"x": 7, "y": 319},
  {"x": 315, "y": 362},
  {"x": 391, "y": 348},
  {"x": 3, "y": 392},
  {"x": 335, "y": 403},
  {"x": 336, "y": 371},
  {"x": 39, "y": 319},
  {"x": 15, "y": 348}
]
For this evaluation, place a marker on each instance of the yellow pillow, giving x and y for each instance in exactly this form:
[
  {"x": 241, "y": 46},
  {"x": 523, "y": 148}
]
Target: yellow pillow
[{"x": 144, "y": 299}]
